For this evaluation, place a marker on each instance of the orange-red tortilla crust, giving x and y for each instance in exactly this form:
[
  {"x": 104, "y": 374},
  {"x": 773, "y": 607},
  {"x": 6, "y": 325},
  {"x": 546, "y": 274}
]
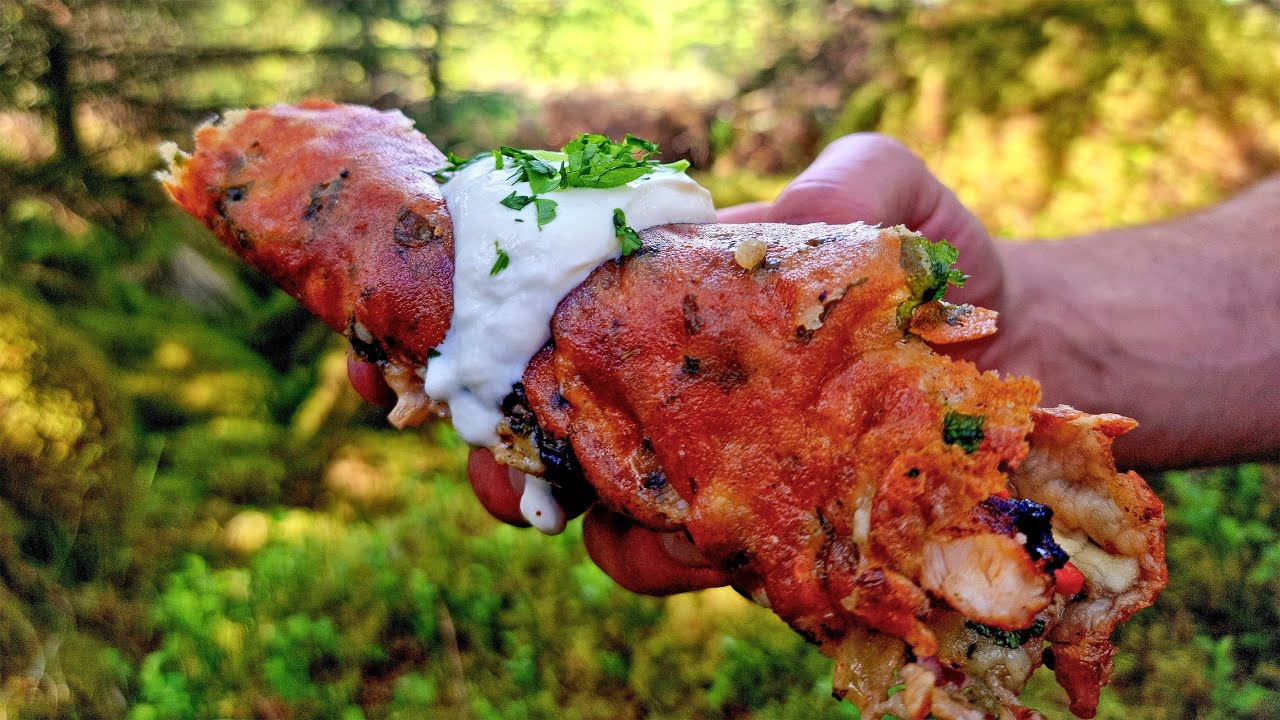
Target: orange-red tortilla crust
[
  {"x": 693, "y": 378},
  {"x": 337, "y": 205}
]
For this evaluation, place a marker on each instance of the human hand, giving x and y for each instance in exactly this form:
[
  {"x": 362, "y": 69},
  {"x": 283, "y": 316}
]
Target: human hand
[
  {"x": 875, "y": 179},
  {"x": 1194, "y": 362}
]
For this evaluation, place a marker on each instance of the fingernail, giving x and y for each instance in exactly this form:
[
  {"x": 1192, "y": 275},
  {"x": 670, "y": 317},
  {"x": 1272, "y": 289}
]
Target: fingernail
[
  {"x": 516, "y": 478},
  {"x": 680, "y": 548}
]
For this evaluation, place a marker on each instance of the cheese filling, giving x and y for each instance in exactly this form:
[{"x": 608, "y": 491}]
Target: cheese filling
[
  {"x": 1112, "y": 573},
  {"x": 510, "y": 273}
]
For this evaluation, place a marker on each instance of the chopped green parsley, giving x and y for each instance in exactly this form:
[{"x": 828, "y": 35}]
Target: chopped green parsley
[
  {"x": 540, "y": 174},
  {"x": 942, "y": 255},
  {"x": 516, "y": 201},
  {"x": 929, "y": 271},
  {"x": 456, "y": 163},
  {"x": 546, "y": 210},
  {"x": 501, "y": 262},
  {"x": 627, "y": 235},
  {"x": 595, "y": 161},
  {"x": 587, "y": 161},
  {"x": 963, "y": 430},
  {"x": 1007, "y": 638}
]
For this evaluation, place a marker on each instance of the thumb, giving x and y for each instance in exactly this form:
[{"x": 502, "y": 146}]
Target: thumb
[
  {"x": 745, "y": 213},
  {"x": 646, "y": 561},
  {"x": 875, "y": 179}
]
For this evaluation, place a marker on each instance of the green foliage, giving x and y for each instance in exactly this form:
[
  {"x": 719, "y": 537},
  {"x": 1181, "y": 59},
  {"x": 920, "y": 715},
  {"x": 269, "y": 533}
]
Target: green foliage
[
  {"x": 741, "y": 186},
  {"x": 64, "y": 446},
  {"x": 1223, "y": 547},
  {"x": 66, "y": 489},
  {"x": 590, "y": 44},
  {"x": 330, "y": 618},
  {"x": 1050, "y": 117},
  {"x": 1208, "y": 647}
]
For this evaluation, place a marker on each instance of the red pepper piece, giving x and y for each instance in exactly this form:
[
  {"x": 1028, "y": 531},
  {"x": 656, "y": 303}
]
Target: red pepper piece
[{"x": 1068, "y": 580}]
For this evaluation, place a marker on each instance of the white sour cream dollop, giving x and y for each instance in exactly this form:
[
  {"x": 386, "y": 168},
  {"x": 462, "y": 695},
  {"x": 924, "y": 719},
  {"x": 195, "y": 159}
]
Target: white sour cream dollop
[{"x": 500, "y": 320}]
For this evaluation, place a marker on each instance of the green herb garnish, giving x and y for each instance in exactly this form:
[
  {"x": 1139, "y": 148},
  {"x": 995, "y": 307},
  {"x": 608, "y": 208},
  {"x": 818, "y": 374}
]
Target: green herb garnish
[
  {"x": 595, "y": 161},
  {"x": 941, "y": 257},
  {"x": 516, "y": 202},
  {"x": 929, "y": 271},
  {"x": 541, "y": 175},
  {"x": 588, "y": 161},
  {"x": 546, "y": 210},
  {"x": 627, "y": 236},
  {"x": 456, "y": 163},
  {"x": 963, "y": 430},
  {"x": 1007, "y": 638},
  {"x": 502, "y": 261}
]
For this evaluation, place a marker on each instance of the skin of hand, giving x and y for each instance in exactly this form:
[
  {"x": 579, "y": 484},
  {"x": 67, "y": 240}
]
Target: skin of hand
[{"x": 1176, "y": 325}]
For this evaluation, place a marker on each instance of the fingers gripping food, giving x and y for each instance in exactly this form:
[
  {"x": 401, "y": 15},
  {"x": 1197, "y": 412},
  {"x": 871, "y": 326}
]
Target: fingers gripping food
[{"x": 766, "y": 389}]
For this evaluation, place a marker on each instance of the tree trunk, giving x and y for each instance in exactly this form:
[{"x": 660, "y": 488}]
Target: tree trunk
[
  {"x": 62, "y": 93},
  {"x": 438, "y": 20},
  {"x": 370, "y": 57}
]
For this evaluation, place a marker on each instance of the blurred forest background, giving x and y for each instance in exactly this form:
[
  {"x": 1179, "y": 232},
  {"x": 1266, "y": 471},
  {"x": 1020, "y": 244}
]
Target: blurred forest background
[{"x": 199, "y": 519}]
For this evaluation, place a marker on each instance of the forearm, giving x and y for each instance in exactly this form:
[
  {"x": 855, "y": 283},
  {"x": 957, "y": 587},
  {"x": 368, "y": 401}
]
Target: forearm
[{"x": 1176, "y": 325}]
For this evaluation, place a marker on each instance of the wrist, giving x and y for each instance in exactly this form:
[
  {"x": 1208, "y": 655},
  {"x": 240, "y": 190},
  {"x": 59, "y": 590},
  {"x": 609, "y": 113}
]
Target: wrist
[
  {"x": 1176, "y": 326},
  {"x": 1017, "y": 347},
  {"x": 1064, "y": 324}
]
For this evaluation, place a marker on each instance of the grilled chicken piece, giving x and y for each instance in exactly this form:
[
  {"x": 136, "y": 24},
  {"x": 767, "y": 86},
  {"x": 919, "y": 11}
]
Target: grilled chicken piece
[
  {"x": 889, "y": 503},
  {"x": 1112, "y": 525}
]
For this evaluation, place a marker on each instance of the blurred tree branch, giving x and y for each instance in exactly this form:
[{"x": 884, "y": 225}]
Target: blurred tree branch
[
  {"x": 235, "y": 54},
  {"x": 53, "y": 20}
]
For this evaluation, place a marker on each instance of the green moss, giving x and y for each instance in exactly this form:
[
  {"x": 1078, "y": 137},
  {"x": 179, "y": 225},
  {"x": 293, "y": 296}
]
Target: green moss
[{"x": 67, "y": 493}]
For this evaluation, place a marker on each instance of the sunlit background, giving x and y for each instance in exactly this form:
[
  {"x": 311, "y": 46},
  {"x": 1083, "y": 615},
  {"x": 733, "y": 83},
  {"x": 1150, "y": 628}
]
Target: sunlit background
[{"x": 199, "y": 519}]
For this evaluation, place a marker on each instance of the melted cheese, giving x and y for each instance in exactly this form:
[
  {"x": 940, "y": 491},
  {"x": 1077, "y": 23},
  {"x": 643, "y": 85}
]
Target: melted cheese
[{"x": 1112, "y": 573}]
